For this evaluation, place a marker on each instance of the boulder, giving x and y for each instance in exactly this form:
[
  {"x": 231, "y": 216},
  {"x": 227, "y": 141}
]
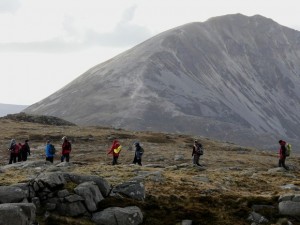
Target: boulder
[
  {"x": 17, "y": 213},
  {"x": 51, "y": 180},
  {"x": 257, "y": 218},
  {"x": 71, "y": 208},
  {"x": 289, "y": 204},
  {"x": 102, "y": 184},
  {"x": 131, "y": 215},
  {"x": 289, "y": 208},
  {"x": 11, "y": 194},
  {"x": 133, "y": 189},
  {"x": 91, "y": 194},
  {"x": 155, "y": 176}
]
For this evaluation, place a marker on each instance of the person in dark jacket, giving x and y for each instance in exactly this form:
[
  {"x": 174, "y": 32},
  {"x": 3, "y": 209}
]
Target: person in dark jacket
[
  {"x": 48, "y": 151},
  {"x": 138, "y": 154},
  {"x": 25, "y": 150},
  {"x": 197, "y": 151},
  {"x": 66, "y": 149},
  {"x": 282, "y": 154}
]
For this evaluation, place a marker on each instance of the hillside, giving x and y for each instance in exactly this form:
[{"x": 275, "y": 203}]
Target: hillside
[
  {"x": 233, "y": 78},
  {"x": 234, "y": 182},
  {"x": 47, "y": 120}
]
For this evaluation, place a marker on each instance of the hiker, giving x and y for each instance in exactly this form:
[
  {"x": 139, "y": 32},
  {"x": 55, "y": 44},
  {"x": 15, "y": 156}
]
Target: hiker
[
  {"x": 49, "y": 151},
  {"x": 282, "y": 154},
  {"x": 25, "y": 150},
  {"x": 197, "y": 151},
  {"x": 138, "y": 154},
  {"x": 19, "y": 156},
  {"x": 66, "y": 149},
  {"x": 115, "y": 151},
  {"x": 14, "y": 151}
]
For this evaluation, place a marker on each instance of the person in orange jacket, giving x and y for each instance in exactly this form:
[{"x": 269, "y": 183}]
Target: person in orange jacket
[{"x": 115, "y": 151}]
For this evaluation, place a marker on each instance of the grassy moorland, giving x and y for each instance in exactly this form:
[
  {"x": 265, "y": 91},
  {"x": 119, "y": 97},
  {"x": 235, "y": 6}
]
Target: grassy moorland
[{"x": 234, "y": 178}]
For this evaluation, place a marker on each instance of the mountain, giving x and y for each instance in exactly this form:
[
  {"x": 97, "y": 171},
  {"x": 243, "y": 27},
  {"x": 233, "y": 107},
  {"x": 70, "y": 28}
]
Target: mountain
[
  {"x": 233, "y": 77},
  {"x": 10, "y": 109}
]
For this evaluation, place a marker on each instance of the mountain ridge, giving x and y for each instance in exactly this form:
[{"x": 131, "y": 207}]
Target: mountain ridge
[
  {"x": 11, "y": 108},
  {"x": 232, "y": 78}
]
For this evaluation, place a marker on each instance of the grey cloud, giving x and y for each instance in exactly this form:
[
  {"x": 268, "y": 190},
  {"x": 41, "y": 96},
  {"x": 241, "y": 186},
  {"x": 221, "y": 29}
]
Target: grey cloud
[
  {"x": 124, "y": 34},
  {"x": 9, "y": 5}
]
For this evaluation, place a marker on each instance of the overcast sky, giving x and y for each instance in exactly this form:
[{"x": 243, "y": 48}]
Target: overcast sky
[{"x": 45, "y": 44}]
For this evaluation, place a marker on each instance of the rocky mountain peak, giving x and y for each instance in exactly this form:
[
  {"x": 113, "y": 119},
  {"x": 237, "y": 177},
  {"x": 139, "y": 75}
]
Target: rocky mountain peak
[{"x": 232, "y": 77}]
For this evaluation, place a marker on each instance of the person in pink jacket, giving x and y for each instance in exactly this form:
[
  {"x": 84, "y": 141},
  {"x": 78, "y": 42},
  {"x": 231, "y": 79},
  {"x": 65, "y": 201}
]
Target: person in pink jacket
[
  {"x": 66, "y": 149},
  {"x": 282, "y": 154}
]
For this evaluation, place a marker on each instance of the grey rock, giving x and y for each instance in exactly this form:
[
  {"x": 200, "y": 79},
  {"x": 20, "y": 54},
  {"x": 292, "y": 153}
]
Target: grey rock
[
  {"x": 73, "y": 198},
  {"x": 286, "y": 197},
  {"x": 134, "y": 189},
  {"x": 114, "y": 216},
  {"x": 51, "y": 180},
  {"x": 91, "y": 194},
  {"x": 296, "y": 198},
  {"x": 50, "y": 206},
  {"x": 289, "y": 208},
  {"x": 290, "y": 187},
  {"x": 11, "y": 194},
  {"x": 257, "y": 218},
  {"x": 155, "y": 176},
  {"x": 71, "y": 209},
  {"x": 63, "y": 193},
  {"x": 36, "y": 201},
  {"x": 17, "y": 214},
  {"x": 24, "y": 187},
  {"x": 102, "y": 184}
]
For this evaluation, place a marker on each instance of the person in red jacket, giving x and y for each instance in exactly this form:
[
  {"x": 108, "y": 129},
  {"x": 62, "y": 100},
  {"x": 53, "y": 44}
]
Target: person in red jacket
[
  {"x": 115, "y": 151},
  {"x": 282, "y": 154},
  {"x": 14, "y": 151},
  {"x": 66, "y": 149}
]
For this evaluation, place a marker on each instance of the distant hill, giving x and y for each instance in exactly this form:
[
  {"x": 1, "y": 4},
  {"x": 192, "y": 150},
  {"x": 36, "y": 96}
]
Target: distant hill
[
  {"x": 9, "y": 109},
  {"x": 49, "y": 120},
  {"x": 233, "y": 78}
]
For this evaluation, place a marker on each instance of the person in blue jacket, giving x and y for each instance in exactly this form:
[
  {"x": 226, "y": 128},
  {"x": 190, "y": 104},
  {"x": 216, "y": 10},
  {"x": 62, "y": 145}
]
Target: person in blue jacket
[{"x": 50, "y": 151}]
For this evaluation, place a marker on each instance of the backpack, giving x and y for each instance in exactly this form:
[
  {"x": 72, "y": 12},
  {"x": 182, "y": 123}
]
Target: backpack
[
  {"x": 288, "y": 149},
  {"x": 52, "y": 149},
  {"x": 199, "y": 149},
  {"x": 141, "y": 151}
]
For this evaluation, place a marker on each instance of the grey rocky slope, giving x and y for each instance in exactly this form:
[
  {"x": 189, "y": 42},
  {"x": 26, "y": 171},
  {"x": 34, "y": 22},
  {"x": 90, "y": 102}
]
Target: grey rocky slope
[{"x": 233, "y": 77}]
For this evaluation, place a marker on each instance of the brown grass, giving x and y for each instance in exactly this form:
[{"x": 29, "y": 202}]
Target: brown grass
[{"x": 235, "y": 177}]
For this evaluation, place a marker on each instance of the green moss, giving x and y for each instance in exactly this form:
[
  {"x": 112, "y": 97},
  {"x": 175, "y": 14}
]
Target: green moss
[{"x": 70, "y": 186}]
